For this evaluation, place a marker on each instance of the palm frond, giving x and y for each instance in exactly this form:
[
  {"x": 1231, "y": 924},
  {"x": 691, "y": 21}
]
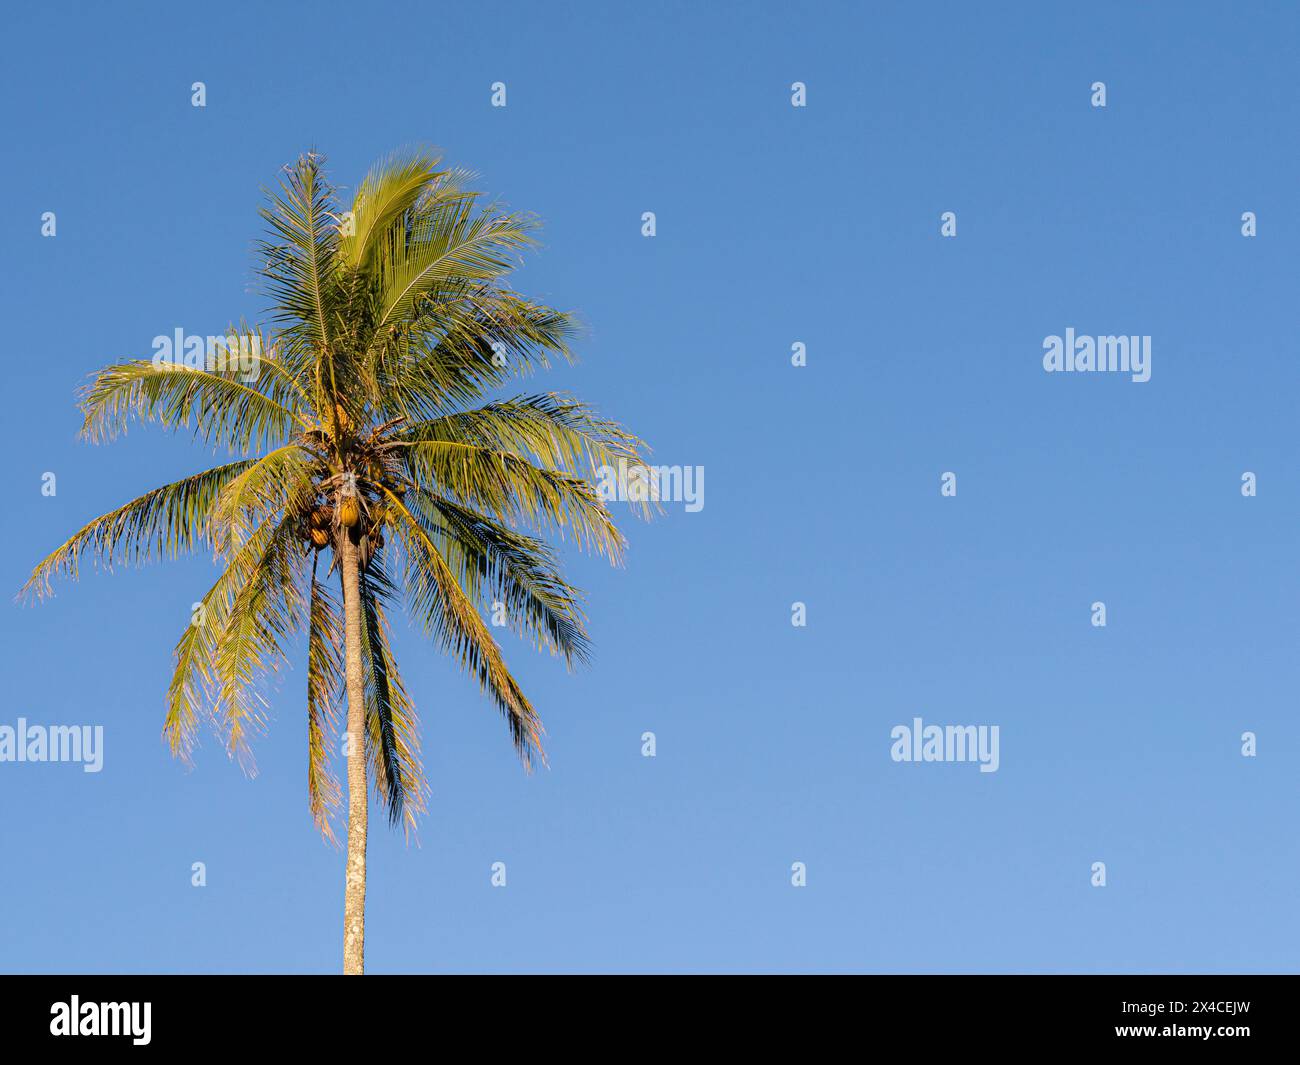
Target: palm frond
[
  {"x": 223, "y": 408},
  {"x": 465, "y": 340},
  {"x": 519, "y": 572},
  {"x": 449, "y": 616},
  {"x": 391, "y": 189},
  {"x": 166, "y": 521},
  {"x": 324, "y": 686},
  {"x": 448, "y": 246},
  {"x": 300, "y": 265},
  {"x": 553, "y": 430},
  {"x": 392, "y": 739},
  {"x": 513, "y": 490},
  {"x": 266, "y": 612},
  {"x": 265, "y": 488},
  {"x": 194, "y": 688}
]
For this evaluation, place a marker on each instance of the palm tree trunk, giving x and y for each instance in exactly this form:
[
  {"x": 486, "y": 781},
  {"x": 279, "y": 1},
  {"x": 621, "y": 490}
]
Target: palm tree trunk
[{"x": 354, "y": 896}]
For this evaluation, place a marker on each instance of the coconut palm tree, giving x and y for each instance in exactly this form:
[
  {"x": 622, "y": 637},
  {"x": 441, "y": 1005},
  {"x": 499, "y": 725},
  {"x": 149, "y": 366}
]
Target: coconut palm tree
[{"x": 365, "y": 440}]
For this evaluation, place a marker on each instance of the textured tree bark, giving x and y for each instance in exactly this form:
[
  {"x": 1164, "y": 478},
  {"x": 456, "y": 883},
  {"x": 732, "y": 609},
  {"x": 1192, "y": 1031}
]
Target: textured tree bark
[{"x": 354, "y": 895}]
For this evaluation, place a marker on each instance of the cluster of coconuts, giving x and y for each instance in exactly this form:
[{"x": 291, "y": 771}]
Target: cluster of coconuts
[
  {"x": 366, "y": 533},
  {"x": 318, "y": 526},
  {"x": 368, "y": 536}
]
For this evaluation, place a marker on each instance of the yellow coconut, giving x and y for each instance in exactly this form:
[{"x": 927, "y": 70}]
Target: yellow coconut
[
  {"x": 349, "y": 511},
  {"x": 320, "y": 538}
]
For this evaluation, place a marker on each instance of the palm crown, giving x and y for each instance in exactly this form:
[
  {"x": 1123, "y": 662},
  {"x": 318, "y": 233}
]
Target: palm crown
[{"x": 361, "y": 418}]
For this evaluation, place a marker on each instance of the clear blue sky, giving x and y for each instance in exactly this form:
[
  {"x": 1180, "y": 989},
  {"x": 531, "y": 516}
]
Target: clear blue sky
[{"x": 775, "y": 225}]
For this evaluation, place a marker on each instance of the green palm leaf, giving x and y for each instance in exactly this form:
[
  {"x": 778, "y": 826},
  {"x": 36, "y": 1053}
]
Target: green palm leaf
[
  {"x": 324, "y": 686},
  {"x": 392, "y": 741},
  {"x": 164, "y": 522}
]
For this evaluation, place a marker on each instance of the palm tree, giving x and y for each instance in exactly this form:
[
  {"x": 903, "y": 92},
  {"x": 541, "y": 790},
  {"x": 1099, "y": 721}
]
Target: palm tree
[{"x": 362, "y": 423}]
